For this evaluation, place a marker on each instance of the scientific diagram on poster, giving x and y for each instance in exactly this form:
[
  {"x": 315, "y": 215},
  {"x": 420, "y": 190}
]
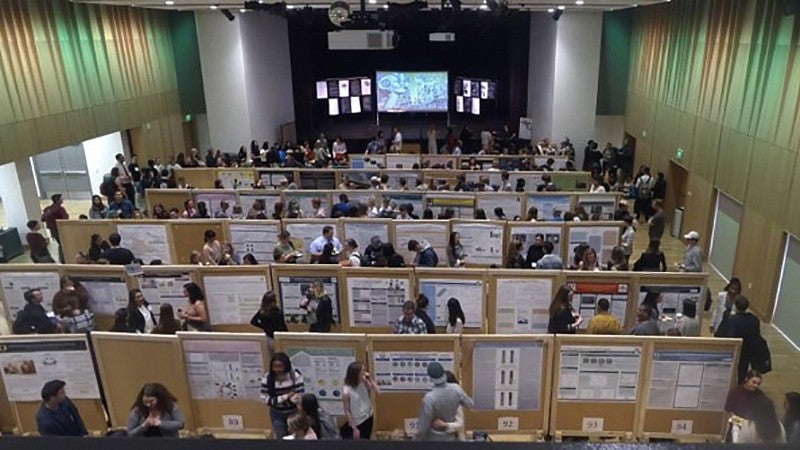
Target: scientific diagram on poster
[
  {"x": 408, "y": 371},
  {"x": 507, "y": 375},
  {"x": 377, "y": 302},
  {"x": 323, "y": 371},
  {"x": 224, "y": 369}
]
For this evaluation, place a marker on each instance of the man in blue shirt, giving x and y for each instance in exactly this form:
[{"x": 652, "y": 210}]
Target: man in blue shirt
[
  {"x": 426, "y": 255},
  {"x": 58, "y": 416},
  {"x": 549, "y": 261},
  {"x": 317, "y": 245},
  {"x": 120, "y": 208},
  {"x": 343, "y": 208}
]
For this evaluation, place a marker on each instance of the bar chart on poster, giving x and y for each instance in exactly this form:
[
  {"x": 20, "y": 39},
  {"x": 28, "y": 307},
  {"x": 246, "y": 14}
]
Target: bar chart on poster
[{"x": 593, "y": 373}]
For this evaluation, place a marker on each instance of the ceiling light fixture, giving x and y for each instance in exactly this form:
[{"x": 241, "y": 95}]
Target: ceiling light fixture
[
  {"x": 213, "y": 7},
  {"x": 372, "y": 2},
  {"x": 579, "y": 2},
  {"x": 561, "y": 7},
  {"x": 169, "y": 3},
  {"x": 551, "y": 10},
  {"x": 242, "y": 10}
]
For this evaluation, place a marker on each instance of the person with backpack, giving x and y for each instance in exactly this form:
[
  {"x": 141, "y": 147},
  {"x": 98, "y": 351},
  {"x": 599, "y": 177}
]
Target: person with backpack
[
  {"x": 352, "y": 257},
  {"x": 644, "y": 194},
  {"x": 50, "y": 215}
]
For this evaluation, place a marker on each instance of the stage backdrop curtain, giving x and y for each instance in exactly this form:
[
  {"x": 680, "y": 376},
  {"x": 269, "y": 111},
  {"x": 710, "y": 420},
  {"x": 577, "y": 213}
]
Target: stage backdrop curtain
[{"x": 69, "y": 72}]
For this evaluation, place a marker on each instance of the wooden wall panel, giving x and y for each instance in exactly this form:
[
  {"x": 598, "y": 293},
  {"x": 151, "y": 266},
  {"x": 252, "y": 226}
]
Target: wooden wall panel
[
  {"x": 702, "y": 154},
  {"x": 665, "y": 126},
  {"x": 683, "y": 135},
  {"x": 769, "y": 181},
  {"x": 699, "y": 209},
  {"x": 792, "y": 217},
  {"x": 733, "y": 163}
]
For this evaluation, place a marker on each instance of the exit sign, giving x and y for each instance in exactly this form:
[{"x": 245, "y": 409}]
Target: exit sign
[{"x": 679, "y": 154}]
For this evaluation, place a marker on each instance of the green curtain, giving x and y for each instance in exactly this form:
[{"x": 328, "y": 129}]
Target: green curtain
[{"x": 72, "y": 71}]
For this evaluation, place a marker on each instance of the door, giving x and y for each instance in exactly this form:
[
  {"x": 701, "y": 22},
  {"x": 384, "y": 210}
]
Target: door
[{"x": 63, "y": 171}]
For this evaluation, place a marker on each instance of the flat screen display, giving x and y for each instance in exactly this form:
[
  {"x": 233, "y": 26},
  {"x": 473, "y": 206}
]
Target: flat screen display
[{"x": 412, "y": 91}]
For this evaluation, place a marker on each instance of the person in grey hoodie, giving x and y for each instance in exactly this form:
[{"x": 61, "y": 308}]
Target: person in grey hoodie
[{"x": 441, "y": 402}]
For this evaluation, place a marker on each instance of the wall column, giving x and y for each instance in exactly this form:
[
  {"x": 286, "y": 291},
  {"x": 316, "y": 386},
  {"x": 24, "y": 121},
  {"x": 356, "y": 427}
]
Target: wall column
[{"x": 19, "y": 195}]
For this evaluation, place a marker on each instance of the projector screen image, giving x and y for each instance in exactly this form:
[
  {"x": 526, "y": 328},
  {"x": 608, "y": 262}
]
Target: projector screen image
[{"x": 412, "y": 91}]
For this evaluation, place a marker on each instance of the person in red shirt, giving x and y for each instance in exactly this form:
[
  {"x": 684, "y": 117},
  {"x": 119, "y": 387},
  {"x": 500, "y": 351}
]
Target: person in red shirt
[
  {"x": 50, "y": 215},
  {"x": 37, "y": 244}
]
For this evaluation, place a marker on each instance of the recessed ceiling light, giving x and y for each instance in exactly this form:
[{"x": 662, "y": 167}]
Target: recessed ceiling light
[
  {"x": 579, "y": 2},
  {"x": 289, "y": 6},
  {"x": 385, "y": 6},
  {"x": 372, "y": 2},
  {"x": 169, "y": 3},
  {"x": 242, "y": 10},
  {"x": 562, "y": 7},
  {"x": 213, "y": 7},
  {"x": 551, "y": 10},
  {"x": 635, "y": 5},
  {"x": 484, "y": 7}
]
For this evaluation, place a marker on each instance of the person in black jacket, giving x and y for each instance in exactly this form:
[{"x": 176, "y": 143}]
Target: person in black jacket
[
  {"x": 319, "y": 308},
  {"x": 563, "y": 319},
  {"x": 33, "y": 318},
  {"x": 269, "y": 318},
  {"x": 746, "y": 326},
  {"x": 117, "y": 255},
  {"x": 535, "y": 251},
  {"x": 140, "y": 318},
  {"x": 422, "y": 313}
]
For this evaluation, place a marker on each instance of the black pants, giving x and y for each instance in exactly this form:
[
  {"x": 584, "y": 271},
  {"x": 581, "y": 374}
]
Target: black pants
[
  {"x": 56, "y": 237},
  {"x": 365, "y": 428},
  {"x": 130, "y": 192}
]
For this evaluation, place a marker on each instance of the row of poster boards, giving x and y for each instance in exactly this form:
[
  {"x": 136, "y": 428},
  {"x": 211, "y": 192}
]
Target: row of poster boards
[
  {"x": 464, "y": 162},
  {"x": 551, "y": 206},
  {"x": 271, "y": 178},
  {"x": 642, "y": 387},
  {"x": 484, "y": 242},
  {"x": 495, "y": 301}
]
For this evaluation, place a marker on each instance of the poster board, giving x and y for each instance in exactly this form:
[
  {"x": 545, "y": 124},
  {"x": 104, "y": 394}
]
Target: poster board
[
  {"x": 304, "y": 198},
  {"x": 291, "y": 284},
  {"x": 462, "y": 204},
  {"x": 410, "y": 177},
  {"x": 146, "y": 240},
  {"x": 374, "y": 298},
  {"x": 510, "y": 202},
  {"x": 676, "y": 403},
  {"x": 323, "y": 363},
  {"x": 414, "y": 198},
  {"x": 519, "y": 300},
  {"x": 527, "y": 232},
  {"x": 126, "y": 362},
  {"x": 236, "y": 178},
  {"x": 76, "y": 236},
  {"x": 30, "y": 361},
  {"x": 16, "y": 279},
  {"x": 551, "y": 206},
  {"x": 198, "y": 178},
  {"x": 233, "y": 295},
  {"x": 7, "y": 418},
  {"x": 164, "y": 284},
  {"x": 498, "y": 368},
  {"x": 483, "y": 241},
  {"x": 361, "y": 161},
  {"x": 230, "y": 389},
  {"x": 304, "y": 231},
  {"x": 213, "y": 199},
  {"x": 468, "y": 286},
  {"x": 396, "y": 408},
  {"x": 187, "y": 236},
  {"x": 247, "y": 199},
  {"x": 401, "y": 160},
  {"x": 364, "y": 197},
  {"x": 169, "y": 198},
  {"x": 601, "y": 236},
  {"x": 674, "y": 289},
  {"x": 597, "y": 385},
  {"x": 599, "y": 206},
  {"x": 362, "y": 231},
  {"x": 436, "y": 232},
  {"x": 589, "y": 287},
  {"x": 107, "y": 288},
  {"x": 257, "y": 237}
]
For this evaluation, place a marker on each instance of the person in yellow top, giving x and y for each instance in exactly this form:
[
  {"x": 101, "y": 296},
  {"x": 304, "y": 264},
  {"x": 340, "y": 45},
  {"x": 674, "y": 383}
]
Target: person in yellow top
[{"x": 603, "y": 322}]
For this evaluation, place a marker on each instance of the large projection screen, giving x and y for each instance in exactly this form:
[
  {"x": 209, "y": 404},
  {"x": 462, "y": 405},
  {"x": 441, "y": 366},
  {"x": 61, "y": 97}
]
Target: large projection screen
[
  {"x": 400, "y": 92},
  {"x": 727, "y": 221},
  {"x": 787, "y": 308}
]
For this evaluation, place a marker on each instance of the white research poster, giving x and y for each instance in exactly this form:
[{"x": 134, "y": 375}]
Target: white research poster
[
  {"x": 224, "y": 369},
  {"x": 469, "y": 294},
  {"x": 507, "y": 375},
  {"x": 234, "y": 299},
  {"x": 408, "y": 371},
  {"x": 28, "y": 365},
  {"x": 15, "y": 285},
  {"x": 609, "y": 373},
  {"x": 693, "y": 380},
  {"x": 523, "y": 305},
  {"x": 257, "y": 239},
  {"x": 323, "y": 371},
  {"x": 483, "y": 243},
  {"x": 147, "y": 242},
  {"x": 376, "y": 302}
]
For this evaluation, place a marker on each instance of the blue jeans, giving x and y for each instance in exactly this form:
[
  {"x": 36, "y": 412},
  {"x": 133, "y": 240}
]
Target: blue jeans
[{"x": 279, "y": 426}]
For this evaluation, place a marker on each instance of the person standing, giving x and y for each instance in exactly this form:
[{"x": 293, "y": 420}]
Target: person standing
[
  {"x": 763, "y": 428},
  {"x": 281, "y": 389},
  {"x": 121, "y": 207},
  {"x": 397, "y": 140},
  {"x": 431, "y": 136},
  {"x": 269, "y": 318},
  {"x": 125, "y": 178},
  {"x": 140, "y": 317},
  {"x": 212, "y": 249},
  {"x": 741, "y": 398},
  {"x": 426, "y": 255},
  {"x": 358, "y": 390},
  {"x": 33, "y": 317},
  {"x": 743, "y": 324},
  {"x": 791, "y": 418},
  {"x": 319, "y": 309},
  {"x": 455, "y": 251},
  {"x": 317, "y": 245},
  {"x": 155, "y": 413},
  {"x": 117, "y": 255},
  {"x": 657, "y": 221},
  {"x": 37, "y": 244},
  {"x": 549, "y": 261},
  {"x": 421, "y": 311},
  {"x": 441, "y": 402},
  {"x": 724, "y": 305},
  {"x": 693, "y": 255},
  {"x": 652, "y": 259},
  {"x": 58, "y": 416},
  {"x": 646, "y": 325},
  {"x": 409, "y": 323},
  {"x": 563, "y": 319},
  {"x": 603, "y": 322},
  {"x": 50, "y": 215},
  {"x": 195, "y": 318},
  {"x": 455, "y": 317}
]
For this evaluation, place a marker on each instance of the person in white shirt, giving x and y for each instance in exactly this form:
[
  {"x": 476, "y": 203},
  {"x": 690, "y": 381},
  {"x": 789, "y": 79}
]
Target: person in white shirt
[
  {"x": 628, "y": 237},
  {"x": 397, "y": 140},
  {"x": 431, "y": 135},
  {"x": 318, "y": 244},
  {"x": 455, "y": 317},
  {"x": 597, "y": 186},
  {"x": 319, "y": 210},
  {"x": 352, "y": 257},
  {"x": 457, "y": 149},
  {"x": 358, "y": 388},
  {"x": 339, "y": 150}
]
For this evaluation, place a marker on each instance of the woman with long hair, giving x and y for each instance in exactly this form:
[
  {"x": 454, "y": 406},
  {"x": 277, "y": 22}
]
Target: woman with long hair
[
  {"x": 281, "y": 389},
  {"x": 120, "y": 321},
  {"x": 358, "y": 387},
  {"x": 71, "y": 297},
  {"x": 140, "y": 318},
  {"x": 195, "y": 318},
  {"x": 514, "y": 258},
  {"x": 724, "y": 306},
  {"x": 323, "y": 424},
  {"x": 743, "y": 396},
  {"x": 328, "y": 256},
  {"x": 589, "y": 261},
  {"x": 98, "y": 209},
  {"x": 455, "y": 317},
  {"x": 652, "y": 260},
  {"x": 618, "y": 261},
  {"x": 96, "y": 248},
  {"x": 791, "y": 418},
  {"x": 212, "y": 249},
  {"x": 167, "y": 324},
  {"x": 563, "y": 319},
  {"x": 651, "y": 300},
  {"x": 269, "y": 318},
  {"x": 155, "y": 413},
  {"x": 455, "y": 251},
  {"x": 319, "y": 308},
  {"x": 763, "y": 427}
]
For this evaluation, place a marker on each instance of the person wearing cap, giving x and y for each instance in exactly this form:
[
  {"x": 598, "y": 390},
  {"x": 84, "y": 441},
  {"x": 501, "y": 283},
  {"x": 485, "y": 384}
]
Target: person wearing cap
[
  {"x": 693, "y": 255},
  {"x": 409, "y": 323},
  {"x": 58, "y": 416},
  {"x": 441, "y": 402},
  {"x": 622, "y": 211}
]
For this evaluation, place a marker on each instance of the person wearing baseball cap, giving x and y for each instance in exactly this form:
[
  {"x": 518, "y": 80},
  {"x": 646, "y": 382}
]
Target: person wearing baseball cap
[
  {"x": 693, "y": 255},
  {"x": 439, "y": 406}
]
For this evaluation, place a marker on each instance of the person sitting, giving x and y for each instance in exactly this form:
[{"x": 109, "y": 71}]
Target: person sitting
[
  {"x": 58, "y": 416},
  {"x": 120, "y": 208},
  {"x": 549, "y": 261},
  {"x": 155, "y": 413},
  {"x": 37, "y": 244},
  {"x": 603, "y": 322},
  {"x": 117, "y": 255},
  {"x": 409, "y": 323},
  {"x": 646, "y": 325},
  {"x": 426, "y": 255},
  {"x": 33, "y": 317}
]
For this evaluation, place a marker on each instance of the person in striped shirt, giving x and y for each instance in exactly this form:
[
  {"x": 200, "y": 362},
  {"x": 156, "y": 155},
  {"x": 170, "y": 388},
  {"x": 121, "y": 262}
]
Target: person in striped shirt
[{"x": 281, "y": 389}]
